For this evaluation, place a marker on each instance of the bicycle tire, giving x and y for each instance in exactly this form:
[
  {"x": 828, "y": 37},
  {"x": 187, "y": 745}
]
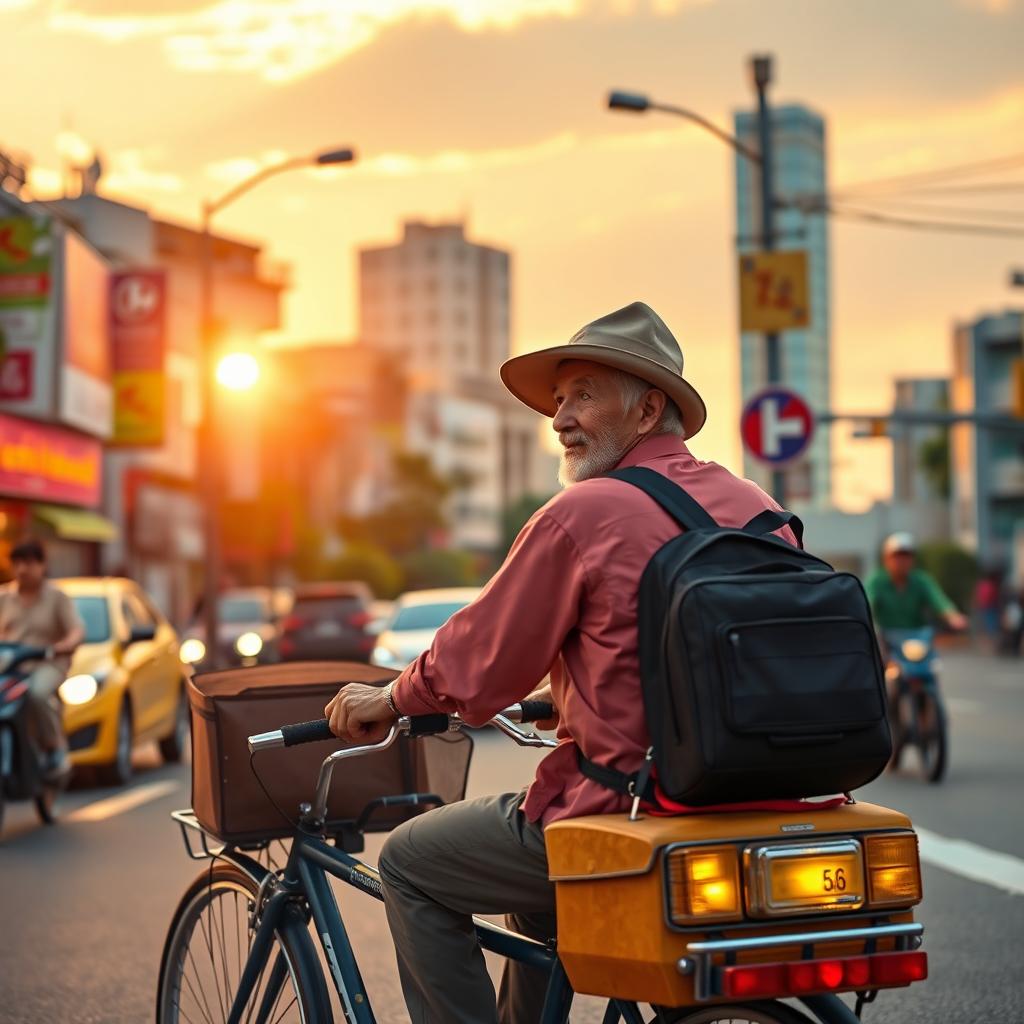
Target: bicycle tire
[
  {"x": 310, "y": 1001},
  {"x": 743, "y": 1013}
]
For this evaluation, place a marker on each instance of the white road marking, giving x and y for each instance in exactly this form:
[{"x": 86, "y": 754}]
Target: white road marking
[
  {"x": 111, "y": 806},
  {"x": 961, "y": 704},
  {"x": 1000, "y": 870}
]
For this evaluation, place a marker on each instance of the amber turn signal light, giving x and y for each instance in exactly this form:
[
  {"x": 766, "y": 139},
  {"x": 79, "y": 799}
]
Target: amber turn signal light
[
  {"x": 704, "y": 884},
  {"x": 894, "y": 870}
]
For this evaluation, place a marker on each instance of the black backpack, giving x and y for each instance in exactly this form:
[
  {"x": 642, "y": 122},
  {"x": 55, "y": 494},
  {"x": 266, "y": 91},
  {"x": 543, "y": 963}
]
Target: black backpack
[{"x": 760, "y": 668}]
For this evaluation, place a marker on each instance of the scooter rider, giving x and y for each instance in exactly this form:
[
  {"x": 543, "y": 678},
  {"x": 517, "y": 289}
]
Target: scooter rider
[
  {"x": 905, "y": 597},
  {"x": 36, "y": 613},
  {"x": 565, "y": 600}
]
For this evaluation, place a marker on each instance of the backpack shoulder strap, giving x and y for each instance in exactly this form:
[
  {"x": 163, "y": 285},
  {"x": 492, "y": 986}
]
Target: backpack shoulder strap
[
  {"x": 769, "y": 521},
  {"x": 684, "y": 509}
]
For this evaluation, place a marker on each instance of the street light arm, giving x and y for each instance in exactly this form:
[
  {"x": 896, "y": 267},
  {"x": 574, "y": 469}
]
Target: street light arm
[
  {"x": 744, "y": 150},
  {"x": 210, "y": 207}
]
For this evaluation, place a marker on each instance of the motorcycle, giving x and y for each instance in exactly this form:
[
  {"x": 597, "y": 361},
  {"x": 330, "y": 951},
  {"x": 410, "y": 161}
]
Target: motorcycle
[
  {"x": 916, "y": 711},
  {"x": 21, "y": 762}
]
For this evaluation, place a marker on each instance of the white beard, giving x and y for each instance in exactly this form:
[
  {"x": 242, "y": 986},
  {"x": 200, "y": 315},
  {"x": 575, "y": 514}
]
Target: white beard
[{"x": 599, "y": 455}]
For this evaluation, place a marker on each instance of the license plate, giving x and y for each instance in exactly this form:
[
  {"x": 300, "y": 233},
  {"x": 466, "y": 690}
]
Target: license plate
[
  {"x": 327, "y": 628},
  {"x": 805, "y": 878}
]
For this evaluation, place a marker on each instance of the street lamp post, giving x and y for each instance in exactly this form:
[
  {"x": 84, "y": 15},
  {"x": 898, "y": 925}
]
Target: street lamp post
[
  {"x": 209, "y": 451},
  {"x": 761, "y": 73}
]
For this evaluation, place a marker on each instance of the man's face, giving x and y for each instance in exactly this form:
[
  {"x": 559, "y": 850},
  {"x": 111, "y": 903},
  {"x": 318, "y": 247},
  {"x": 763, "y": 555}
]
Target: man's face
[
  {"x": 28, "y": 572},
  {"x": 594, "y": 429},
  {"x": 899, "y": 564}
]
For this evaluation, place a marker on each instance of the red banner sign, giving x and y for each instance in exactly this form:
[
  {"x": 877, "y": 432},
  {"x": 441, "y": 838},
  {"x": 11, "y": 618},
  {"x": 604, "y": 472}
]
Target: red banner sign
[
  {"x": 137, "y": 312},
  {"x": 44, "y": 463}
]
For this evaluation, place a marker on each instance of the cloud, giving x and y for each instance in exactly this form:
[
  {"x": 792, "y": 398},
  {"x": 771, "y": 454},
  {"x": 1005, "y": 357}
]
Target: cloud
[{"x": 286, "y": 39}]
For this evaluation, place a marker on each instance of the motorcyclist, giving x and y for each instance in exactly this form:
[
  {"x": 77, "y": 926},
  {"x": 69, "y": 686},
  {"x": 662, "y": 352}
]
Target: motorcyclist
[
  {"x": 36, "y": 613},
  {"x": 905, "y": 597}
]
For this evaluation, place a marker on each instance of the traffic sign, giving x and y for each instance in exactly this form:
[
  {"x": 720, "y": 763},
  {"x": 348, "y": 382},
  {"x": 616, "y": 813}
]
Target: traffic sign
[
  {"x": 773, "y": 291},
  {"x": 777, "y": 426}
]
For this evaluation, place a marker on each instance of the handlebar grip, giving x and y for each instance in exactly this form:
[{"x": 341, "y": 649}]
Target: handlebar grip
[
  {"x": 537, "y": 710},
  {"x": 427, "y": 725},
  {"x": 307, "y": 732}
]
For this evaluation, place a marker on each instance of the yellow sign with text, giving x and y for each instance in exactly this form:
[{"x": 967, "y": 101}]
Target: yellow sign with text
[
  {"x": 138, "y": 408},
  {"x": 774, "y": 294}
]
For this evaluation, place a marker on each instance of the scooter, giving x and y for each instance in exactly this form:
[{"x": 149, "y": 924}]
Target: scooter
[
  {"x": 21, "y": 762},
  {"x": 917, "y": 714}
]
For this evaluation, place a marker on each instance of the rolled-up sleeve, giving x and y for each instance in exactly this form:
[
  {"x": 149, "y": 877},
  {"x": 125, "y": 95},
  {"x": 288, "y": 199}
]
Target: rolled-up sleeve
[{"x": 496, "y": 650}]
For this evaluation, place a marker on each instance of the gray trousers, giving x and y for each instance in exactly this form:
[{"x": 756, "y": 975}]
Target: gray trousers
[
  {"x": 474, "y": 857},
  {"x": 45, "y": 717}
]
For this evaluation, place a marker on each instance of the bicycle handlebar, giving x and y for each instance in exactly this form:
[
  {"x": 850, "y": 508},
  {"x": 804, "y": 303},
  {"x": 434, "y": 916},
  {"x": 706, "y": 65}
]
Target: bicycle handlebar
[{"x": 415, "y": 725}]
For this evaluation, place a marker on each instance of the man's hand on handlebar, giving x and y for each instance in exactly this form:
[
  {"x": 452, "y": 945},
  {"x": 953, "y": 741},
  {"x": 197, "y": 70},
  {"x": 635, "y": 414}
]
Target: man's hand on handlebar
[
  {"x": 544, "y": 693},
  {"x": 359, "y": 714}
]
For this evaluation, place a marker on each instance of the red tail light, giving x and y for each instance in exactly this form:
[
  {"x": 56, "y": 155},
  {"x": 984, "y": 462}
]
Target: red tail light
[
  {"x": 805, "y": 976},
  {"x": 14, "y": 691},
  {"x": 292, "y": 623},
  {"x": 360, "y": 620}
]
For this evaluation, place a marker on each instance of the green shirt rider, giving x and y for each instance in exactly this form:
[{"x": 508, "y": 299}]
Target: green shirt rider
[{"x": 904, "y": 597}]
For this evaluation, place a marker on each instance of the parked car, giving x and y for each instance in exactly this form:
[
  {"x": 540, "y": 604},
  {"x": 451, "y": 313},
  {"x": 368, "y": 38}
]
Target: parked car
[
  {"x": 416, "y": 617},
  {"x": 328, "y": 621},
  {"x": 248, "y": 632},
  {"x": 125, "y": 685}
]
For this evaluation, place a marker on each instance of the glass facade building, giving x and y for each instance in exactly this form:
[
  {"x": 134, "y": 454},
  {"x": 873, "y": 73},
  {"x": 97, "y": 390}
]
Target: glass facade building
[{"x": 799, "y": 165}]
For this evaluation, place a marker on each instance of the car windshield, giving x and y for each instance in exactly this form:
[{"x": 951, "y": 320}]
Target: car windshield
[
  {"x": 425, "y": 616},
  {"x": 95, "y": 616},
  {"x": 243, "y": 609}
]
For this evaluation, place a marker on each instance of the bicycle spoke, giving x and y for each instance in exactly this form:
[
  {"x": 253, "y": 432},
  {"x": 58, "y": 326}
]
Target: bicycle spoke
[
  {"x": 202, "y": 991},
  {"x": 228, "y": 987},
  {"x": 280, "y": 1017},
  {"x": 208, "y": 938}
]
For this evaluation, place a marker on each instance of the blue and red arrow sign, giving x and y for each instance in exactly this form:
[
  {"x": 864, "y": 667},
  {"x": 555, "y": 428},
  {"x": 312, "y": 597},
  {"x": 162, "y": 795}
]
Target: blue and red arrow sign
[{"x": 777, "y": 426}]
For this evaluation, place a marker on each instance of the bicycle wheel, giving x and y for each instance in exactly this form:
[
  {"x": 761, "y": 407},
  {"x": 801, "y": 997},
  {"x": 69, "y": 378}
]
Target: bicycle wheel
[
  {"x": 206, "y": 950},
  {"x": 932, "y": 735},
  {"x": 746, "y": 1013}
]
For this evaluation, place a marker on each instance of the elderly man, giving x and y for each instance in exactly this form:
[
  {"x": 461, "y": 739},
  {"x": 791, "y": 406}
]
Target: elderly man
[{"x": 565, "y": 601}]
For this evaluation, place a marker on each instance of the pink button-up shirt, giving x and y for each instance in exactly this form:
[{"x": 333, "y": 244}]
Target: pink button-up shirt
[{"x": 565, "y": 601}]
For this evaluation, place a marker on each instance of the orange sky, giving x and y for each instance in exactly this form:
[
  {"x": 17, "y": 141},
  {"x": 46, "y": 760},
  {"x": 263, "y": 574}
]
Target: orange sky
[{"x": 493, "y": 110}]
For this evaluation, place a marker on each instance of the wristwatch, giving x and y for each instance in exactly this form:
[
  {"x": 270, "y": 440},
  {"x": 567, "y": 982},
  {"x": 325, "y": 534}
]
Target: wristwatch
[{"x": 390, "y": 701}]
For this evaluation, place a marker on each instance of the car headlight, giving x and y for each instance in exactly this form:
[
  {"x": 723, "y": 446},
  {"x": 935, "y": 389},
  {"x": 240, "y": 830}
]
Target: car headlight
[
  {"x": 914, "y": 649},
  {"x": 386, "y": 657},
  {"x": 249, "y": 645},
  {"x": 192, "y": 650},
  {"x": 78, "y": 689}
]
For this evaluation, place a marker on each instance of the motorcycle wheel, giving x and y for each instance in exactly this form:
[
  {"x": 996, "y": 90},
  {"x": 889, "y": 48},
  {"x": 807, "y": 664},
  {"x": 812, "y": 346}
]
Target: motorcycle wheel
[
  {"x": 119, "y": 771},
  {"x": 746, "y": 1013},
  {"x": 931, "y": 737},
  {"x": 45, "y": 801}
]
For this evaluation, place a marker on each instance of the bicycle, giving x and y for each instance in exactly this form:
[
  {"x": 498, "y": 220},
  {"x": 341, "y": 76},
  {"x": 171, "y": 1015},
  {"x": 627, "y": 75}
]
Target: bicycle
[{"x": 241, "y": 916}]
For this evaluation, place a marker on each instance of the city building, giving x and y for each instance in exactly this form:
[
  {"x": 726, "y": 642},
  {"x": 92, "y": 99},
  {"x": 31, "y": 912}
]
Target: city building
[
  {"x": 151, "y": 488},
  {"x": 55, "y": 387},
  {"x": 800, "y": 169},
  {"x": 987, "y": 464},
  {"x": 439, "y": 305}
]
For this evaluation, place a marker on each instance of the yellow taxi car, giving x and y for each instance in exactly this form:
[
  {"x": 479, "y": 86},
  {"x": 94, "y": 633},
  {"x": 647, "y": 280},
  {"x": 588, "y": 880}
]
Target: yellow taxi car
[{"x": 126, "y": 684}]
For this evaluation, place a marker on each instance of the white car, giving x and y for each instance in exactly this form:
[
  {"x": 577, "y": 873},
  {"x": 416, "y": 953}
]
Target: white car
[{"x": 416, "y": 617}]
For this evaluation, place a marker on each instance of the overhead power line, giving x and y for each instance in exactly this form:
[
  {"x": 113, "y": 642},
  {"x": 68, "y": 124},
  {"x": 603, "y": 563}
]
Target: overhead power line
[
  {"x": 893, "y": 220},
  {"x": 937, "y": 175}
]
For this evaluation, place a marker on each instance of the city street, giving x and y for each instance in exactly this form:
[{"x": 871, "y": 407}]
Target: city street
[{"x": 85, "y": 904}]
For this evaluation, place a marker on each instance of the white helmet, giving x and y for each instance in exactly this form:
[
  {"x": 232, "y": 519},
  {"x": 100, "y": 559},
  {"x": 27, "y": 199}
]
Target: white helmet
[{"x": 899, "y": 543}]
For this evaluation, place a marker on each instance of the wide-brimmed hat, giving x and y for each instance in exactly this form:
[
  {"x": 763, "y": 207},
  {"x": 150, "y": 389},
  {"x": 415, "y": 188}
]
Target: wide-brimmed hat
[{"x": 634, "y": 339}]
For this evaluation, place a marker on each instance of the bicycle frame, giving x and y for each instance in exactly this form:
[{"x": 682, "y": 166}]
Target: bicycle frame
[{"x": 310, "y": 861}]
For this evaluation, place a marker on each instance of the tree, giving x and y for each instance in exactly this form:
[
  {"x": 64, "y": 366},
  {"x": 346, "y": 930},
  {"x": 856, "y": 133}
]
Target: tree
[
  {"x": 439, "y": 568},
  {"x": 414, "y": 514},
  {"x": 933, "y": 455},
  {"x": 371, "y": 564},
  {"x": 955, "y": 569},
  {"x": 517, "y": 515}
]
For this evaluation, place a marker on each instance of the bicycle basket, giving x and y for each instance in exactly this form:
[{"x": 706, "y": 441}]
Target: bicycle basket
[{"x": 231, "y": 705}]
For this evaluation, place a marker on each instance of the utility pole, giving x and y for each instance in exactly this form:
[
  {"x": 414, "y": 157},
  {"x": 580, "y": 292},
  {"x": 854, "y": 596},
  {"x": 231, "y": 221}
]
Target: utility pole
[{"x": 761, "y": 73}]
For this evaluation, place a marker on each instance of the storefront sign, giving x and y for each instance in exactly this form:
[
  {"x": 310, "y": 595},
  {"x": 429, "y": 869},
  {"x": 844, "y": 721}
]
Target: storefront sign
[
  {"x": 137, "y": 314},
  {"x": 86, "y": 398},
  {"x": 27, "y": 329},
  {"x": 48, "y": 464},
  {"x": 774, "y": 294}
]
